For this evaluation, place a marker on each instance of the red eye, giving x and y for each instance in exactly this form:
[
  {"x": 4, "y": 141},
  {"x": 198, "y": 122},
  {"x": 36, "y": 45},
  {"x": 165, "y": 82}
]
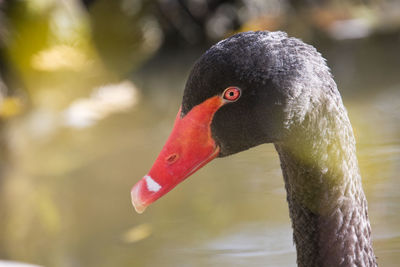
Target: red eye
[{"x": 232, "y": 93}]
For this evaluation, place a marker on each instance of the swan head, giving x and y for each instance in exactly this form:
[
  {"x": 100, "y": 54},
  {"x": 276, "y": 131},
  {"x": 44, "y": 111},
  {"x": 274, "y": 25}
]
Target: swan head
[
  {"x": 281, "y": 80},
  {"x": 249, "y": 89}
]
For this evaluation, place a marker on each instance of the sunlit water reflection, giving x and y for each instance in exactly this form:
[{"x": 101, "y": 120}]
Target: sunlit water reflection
[{"x": 67, "y": 201}]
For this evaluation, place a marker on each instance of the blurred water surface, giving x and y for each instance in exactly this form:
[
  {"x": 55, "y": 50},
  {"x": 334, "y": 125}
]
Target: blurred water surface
[{"x": 67, "y": 190}]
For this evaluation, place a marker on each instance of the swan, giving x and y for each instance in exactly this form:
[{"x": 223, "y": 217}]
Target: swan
[{"x": 265, "y": 87}]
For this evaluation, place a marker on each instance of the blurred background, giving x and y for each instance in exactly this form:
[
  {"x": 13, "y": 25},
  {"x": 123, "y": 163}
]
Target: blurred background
[{"x": 88, "y": 93}]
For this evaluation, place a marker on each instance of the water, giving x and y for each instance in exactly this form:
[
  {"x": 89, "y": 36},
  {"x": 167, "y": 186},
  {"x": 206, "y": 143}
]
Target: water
[{"x": 67, "y": 192}]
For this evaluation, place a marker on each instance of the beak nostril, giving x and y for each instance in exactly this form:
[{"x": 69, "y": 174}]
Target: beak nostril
[{"x": 172, "y": 158}]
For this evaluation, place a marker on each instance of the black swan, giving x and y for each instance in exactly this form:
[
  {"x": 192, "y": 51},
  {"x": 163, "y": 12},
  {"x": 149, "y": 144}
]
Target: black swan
[{"x": 264, "y": 87}]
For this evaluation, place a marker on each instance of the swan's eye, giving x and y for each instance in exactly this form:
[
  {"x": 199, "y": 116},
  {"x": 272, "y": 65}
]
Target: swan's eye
[{"x": 231, "y": 93}]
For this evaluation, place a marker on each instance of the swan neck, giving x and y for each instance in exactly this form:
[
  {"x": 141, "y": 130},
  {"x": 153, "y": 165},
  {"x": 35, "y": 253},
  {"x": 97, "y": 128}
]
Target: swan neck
[{"x": 326, "y": 201}]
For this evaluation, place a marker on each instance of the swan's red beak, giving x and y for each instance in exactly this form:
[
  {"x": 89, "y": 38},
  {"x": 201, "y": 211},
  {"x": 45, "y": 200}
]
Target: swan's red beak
[{"x": 189, "y": 147}]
